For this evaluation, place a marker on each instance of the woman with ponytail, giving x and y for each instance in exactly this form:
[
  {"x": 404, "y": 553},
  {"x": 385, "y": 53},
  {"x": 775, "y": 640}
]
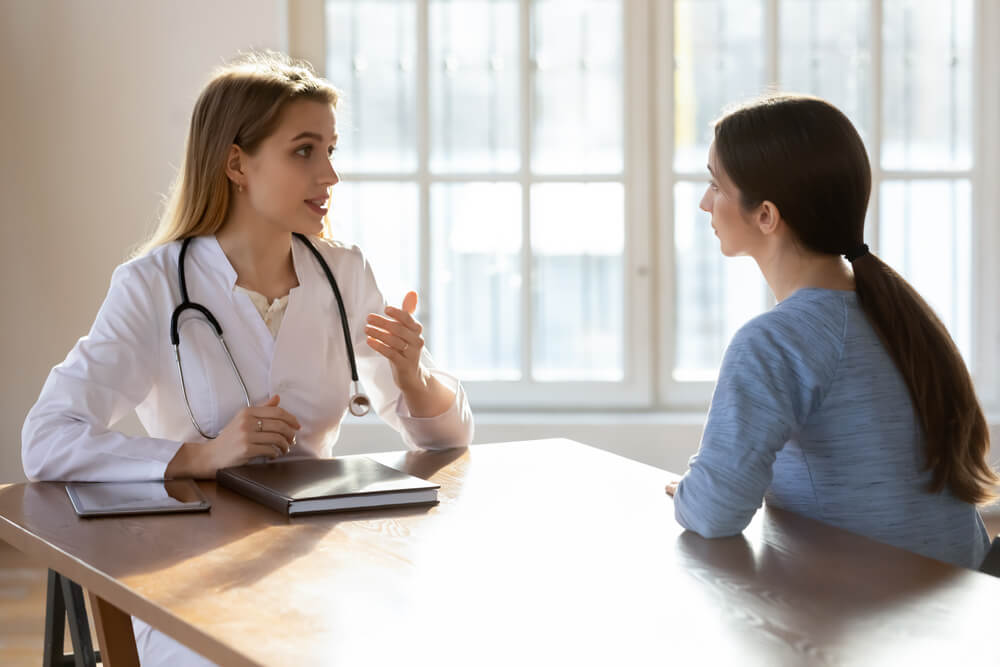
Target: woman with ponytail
[{"x": 848, "y": 402}]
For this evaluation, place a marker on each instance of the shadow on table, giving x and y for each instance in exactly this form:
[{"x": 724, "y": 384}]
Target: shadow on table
[{"x": 808, "y": 585}]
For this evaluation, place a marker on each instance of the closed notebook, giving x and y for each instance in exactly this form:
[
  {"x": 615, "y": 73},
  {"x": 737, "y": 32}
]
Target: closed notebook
[{"x": 303, "y": 486}]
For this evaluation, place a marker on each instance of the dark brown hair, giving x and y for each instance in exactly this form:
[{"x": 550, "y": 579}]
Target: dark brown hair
[{"x": 804, "y": 156}]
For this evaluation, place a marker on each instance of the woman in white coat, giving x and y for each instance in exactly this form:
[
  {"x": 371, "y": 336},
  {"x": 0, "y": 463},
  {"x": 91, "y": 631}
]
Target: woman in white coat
[{"x": 257, "y": 170}]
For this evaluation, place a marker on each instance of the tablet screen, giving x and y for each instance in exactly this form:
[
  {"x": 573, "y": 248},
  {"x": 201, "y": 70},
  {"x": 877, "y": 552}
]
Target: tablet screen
[{"x": 106, "y": 498}]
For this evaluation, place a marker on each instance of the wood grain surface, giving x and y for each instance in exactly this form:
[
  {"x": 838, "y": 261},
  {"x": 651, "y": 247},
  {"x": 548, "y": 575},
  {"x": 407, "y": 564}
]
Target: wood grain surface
[{"x": 543, "y": 552}]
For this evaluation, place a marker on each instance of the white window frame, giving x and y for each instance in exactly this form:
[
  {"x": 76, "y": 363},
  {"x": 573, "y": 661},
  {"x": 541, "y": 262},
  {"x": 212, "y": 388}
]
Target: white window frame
[
  {"x": 985, "y": 276},
  {"x": 649, "y": 178},
  {"x": 634, "y": 390}
]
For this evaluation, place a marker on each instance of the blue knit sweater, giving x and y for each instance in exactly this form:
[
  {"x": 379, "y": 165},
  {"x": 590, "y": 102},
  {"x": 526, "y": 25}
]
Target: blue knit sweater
[{"x": 811, "y": 414}]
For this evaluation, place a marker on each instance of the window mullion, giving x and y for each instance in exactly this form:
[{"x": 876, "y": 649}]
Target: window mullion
[
  {"x": 772, "y": 39},
  {"x": 527, "y": 82},
  {"x": 423, "y": 157},
  {"x": 875, "y": 148},
  {"x": 772, "y": 42},
  {"x": 986, "y": 203}
]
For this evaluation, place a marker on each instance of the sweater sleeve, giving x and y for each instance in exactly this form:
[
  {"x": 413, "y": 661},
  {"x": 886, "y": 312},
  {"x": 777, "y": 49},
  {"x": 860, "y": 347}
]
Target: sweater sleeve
[
  {"x": 67, "y": 435},
  {"x": 773, "y": 376}
]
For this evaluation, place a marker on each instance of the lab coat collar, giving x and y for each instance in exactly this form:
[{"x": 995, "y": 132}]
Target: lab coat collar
[
  {"x": 214, "y": 257},
  {"x": 306, "y": 267},
  {"x": 211, "y": 254}
]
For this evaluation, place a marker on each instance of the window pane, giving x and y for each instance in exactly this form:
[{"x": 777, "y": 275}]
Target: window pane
[
  {"x": 371, "y": 56},
  {"x": 715, "y": 294},
  {"x": 577, "y": 55},
  {"x": 476, "y": 278},
  {"x": 577, "y": 242},
  {"x": 719, "y": 60},
  {"x": 474, "y": 85},
  {"x": 927, "y": 96},
  {"x": 826, "y": 51},
  {"x": 925, "y": 234},
  {"x": 381, "y": 218}
]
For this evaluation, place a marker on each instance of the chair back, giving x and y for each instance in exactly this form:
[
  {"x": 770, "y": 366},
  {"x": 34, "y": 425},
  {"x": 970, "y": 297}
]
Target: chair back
[{"x": 991, "y": 564}]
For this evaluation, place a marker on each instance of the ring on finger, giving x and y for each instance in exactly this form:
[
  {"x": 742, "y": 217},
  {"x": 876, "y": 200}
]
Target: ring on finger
[
  {"x": 406, "y": 346},
  {"x": 260, "y": 425}
]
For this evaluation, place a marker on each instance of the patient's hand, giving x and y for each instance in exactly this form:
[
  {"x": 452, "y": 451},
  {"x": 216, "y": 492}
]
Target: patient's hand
[{"x": 671, "y": 487}]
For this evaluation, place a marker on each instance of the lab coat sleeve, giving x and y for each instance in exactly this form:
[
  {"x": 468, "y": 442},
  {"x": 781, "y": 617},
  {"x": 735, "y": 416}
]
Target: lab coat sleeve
[
  {"x": 452, "y": 428},
  {"x": 67, "y": 434}
]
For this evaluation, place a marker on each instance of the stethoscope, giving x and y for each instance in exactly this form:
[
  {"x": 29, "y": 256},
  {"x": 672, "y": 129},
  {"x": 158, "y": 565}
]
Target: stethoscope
[{"x": 359, "y": 404}]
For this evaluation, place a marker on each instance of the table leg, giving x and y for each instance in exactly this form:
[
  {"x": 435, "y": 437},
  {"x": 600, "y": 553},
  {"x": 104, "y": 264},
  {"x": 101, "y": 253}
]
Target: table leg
[
  {"x": 114, "y": 634},
  {"x": 55, "y": 622}
]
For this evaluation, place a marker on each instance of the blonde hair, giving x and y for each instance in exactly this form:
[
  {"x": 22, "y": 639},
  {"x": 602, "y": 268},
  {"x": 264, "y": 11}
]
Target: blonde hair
[{"x": 241, "y": 104}]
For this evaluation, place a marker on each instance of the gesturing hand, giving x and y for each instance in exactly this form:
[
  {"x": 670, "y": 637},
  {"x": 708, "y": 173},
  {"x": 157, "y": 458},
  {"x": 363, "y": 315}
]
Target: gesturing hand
[{"x": 397, "y": 338}]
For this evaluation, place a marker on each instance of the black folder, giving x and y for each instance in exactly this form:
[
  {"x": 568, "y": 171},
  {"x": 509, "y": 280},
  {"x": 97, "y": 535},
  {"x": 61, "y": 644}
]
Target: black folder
[{"x": 307, "y": 486}]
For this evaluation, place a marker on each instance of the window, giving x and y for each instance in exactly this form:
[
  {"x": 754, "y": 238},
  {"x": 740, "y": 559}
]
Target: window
[{"x": 533, "y": 168}]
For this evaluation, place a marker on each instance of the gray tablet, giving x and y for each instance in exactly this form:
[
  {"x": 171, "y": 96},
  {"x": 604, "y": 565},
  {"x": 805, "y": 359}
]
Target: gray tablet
[{"x": 115, "y": 498}]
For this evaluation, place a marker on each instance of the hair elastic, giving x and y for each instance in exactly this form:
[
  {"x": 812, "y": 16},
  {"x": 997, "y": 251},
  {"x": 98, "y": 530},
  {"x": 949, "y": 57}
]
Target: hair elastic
[{"x": 858, "y": 252}]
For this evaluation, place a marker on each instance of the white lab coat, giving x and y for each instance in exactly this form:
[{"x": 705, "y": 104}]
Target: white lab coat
[{"x": 126, "y": 362}]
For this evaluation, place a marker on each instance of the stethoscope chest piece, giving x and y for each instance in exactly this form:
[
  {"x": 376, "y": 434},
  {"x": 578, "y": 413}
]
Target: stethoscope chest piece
[{"x": 359, "y": 405}]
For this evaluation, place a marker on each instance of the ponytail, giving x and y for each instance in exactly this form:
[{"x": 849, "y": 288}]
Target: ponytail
[{"x": 944, "y": 398}]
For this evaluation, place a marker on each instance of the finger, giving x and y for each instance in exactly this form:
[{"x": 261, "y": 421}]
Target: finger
[
  {"x": 410, "y": 302},
  {"x": 271, "y": 402},
  {"x": 395, "y": 342},
  {"x": 395, "y": 326},
  {"x": 276, "y": 413},
  {"x": 270, "y": 451},
  {"x": 386, "y": 351},
  {"x": 405, "y": 318},
  {"x": 276, "y": 440},
  {"x": 277, "y": 426}
]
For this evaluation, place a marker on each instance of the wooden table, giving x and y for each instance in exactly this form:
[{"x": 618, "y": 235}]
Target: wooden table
[{"x": 545, "y": 552}]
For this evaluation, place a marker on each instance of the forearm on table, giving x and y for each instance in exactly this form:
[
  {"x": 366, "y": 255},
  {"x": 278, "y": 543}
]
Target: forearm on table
[
  {"x": 190, "y": 461},
  {"x": 428, "y": 397}
]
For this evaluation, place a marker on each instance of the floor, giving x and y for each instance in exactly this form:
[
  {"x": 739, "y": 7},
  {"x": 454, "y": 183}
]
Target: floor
[
  {"x": 22, "y": 605},
  {"x": 22, "y": 610}
]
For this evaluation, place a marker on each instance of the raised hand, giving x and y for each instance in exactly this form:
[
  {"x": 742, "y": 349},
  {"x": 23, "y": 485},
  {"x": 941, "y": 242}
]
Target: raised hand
[{"x": 397, "y": 337}]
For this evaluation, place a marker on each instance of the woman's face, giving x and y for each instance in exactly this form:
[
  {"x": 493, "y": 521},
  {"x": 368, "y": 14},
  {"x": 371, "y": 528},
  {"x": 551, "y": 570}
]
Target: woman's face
[
  {"x": 290, "y": 175},
  {"x": 737, "y": 234}
]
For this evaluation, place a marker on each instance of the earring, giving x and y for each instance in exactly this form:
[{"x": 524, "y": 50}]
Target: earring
[{"x": 239, "y": 188}]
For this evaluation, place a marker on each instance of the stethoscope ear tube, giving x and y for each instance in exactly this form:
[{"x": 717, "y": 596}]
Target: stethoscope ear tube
[
  {"x": 175, "y": 329},
  {"x": 232, "y": 364},
  {"x": 359, "y": 403},
  {"x": 340, "y": 303}
]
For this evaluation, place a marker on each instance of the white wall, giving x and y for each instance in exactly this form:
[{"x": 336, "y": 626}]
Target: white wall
[{"x": 96, "y": 100}]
